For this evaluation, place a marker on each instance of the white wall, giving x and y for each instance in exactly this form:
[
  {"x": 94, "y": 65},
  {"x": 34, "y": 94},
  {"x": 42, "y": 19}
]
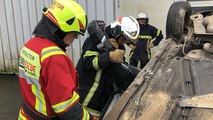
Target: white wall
[{"x": 17, "y": 20}]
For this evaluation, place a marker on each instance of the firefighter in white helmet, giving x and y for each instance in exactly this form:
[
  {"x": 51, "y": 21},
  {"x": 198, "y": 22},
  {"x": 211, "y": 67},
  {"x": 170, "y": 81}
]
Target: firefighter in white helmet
[
  {"x": 145, "y": 41},
  {"x": 95, "y": 66}
]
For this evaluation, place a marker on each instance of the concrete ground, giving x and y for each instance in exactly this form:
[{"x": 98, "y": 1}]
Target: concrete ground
[{"x": 10, "y": 97}]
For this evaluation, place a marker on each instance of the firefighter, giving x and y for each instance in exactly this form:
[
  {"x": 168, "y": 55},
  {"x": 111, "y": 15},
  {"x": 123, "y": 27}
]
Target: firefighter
[
  {"x": 95, "y": 75},
  {"x": 142, "y": 51},
  {"x": 47, "y": 76}
]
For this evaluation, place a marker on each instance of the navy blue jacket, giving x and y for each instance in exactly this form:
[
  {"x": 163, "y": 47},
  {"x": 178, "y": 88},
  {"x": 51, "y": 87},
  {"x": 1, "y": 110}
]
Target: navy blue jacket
[{"x": 147, "y": 33}]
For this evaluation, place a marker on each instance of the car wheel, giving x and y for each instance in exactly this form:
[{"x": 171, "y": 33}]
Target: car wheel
[{"x": 178, "y": 19}]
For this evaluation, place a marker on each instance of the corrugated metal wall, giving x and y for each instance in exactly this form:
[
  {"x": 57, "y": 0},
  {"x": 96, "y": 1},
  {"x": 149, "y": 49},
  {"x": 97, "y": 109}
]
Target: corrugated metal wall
[{"x": 19, "y": 17}]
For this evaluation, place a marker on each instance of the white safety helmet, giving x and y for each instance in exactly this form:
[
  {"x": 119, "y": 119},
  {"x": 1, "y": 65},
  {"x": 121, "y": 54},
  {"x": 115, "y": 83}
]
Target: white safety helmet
[
  {"x": 127, "y": 26},
  {"x": 143, "y": 15}
]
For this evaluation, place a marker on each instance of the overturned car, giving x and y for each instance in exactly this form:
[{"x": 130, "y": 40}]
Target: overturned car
[{"x": 177, "y": 83}]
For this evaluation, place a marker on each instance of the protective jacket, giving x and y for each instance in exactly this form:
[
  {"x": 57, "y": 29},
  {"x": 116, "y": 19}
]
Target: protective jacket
[
  {"x": 96, "y": 76},
  {"x": 147, "y": 33},
  {"x": 48, "y": 79},
  {"x": 95, "y": 79}
]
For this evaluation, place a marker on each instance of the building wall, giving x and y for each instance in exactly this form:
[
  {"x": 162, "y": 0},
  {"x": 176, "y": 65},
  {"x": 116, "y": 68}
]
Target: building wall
[
  {"x": 157, "y": 11},
  {"x": 19, "y": 17}
]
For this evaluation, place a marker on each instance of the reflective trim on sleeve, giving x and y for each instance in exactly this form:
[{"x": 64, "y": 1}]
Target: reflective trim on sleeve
[
  {"x": 86, "y": 115},
  {"x": 93, "y": 88},
  {"x": 40, "y": 104},
  {"x": 148, "y": 50},
  {"x": 95, "y": 63},
  {"x": 90, "y": 53},
  {"x": 49, "y": 51},
  {"x": 158, "y": 33},
  {"x": 93, "y": 112},
  {"x": 21, "y": 116},
  {"x": 145, "y": 37},
  {"x": 60, "y": 107}
]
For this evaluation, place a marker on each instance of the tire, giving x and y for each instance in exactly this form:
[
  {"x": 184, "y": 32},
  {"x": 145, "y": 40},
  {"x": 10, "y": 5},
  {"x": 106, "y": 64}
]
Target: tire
[{"x": 178, "y": 18}]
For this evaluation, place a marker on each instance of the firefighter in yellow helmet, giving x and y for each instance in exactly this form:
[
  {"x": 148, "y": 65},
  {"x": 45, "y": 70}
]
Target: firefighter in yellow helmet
[{"x": 47, "y": 76}]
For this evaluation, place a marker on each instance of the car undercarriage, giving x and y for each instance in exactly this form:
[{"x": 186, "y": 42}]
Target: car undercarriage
[{"x": 177, "y": 82}]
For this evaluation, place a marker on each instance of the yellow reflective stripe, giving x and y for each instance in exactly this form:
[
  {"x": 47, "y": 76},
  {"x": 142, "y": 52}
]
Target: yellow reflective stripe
[
  {"x": 93, "y": 112},
  {"x": 91, "y": 53},
  {"x": 131, "y": 53},
  {"x": 29, "y": 80},
  {"x": 49, "y": 51},
  {"x": 21, "y": 117},
  {"x": 95, "y": 63},
  {"x": 60, "y": 107},
  {"x": 145, "y": 36},
  {"x": 29, "y": 69},
  {"x": 158, "y": 32},
  {"x": 86, "y": 115},
  {"x": 40, "y": 104},
  {"x": 148, "y": 50},
  {"x": 50, "y": 48},
  {"x": 93, "y": 88}
]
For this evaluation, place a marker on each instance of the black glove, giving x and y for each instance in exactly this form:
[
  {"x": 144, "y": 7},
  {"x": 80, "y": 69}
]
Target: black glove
[{"x": 123, "y": 74}]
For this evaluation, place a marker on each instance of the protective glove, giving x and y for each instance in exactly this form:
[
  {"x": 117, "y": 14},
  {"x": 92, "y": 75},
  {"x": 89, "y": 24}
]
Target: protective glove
[
  {"x": 114, "y": 43},
  {"x": 149, "y": 46},
  {"x": 117, "y": 55}
]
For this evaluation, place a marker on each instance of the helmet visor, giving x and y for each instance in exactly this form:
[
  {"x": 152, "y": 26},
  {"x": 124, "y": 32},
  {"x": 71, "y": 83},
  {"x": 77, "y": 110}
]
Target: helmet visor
[{"x": 130, "y": 39}]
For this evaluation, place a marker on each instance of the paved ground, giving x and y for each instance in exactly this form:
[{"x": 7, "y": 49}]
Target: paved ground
[{"x": 10, "y": 97}]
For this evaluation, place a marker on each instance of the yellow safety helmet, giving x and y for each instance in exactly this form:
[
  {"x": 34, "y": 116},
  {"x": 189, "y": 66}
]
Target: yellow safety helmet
[{"x": 68, "y": 15}]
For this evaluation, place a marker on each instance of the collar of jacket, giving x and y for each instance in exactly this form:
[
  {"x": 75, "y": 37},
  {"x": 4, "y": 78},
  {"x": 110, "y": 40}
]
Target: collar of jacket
[{"x": 46, "y": 29}]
